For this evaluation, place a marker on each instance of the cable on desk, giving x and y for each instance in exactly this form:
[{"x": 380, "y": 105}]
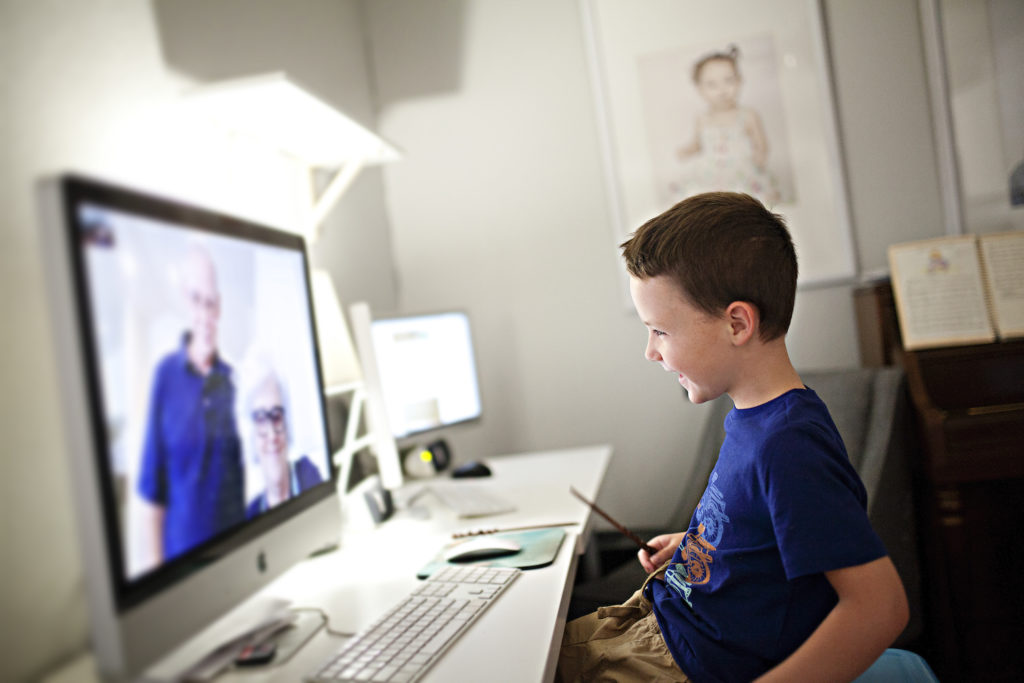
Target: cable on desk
[
  {"x": 324, "y": 624},
  {"x": 325, "y": 620}
]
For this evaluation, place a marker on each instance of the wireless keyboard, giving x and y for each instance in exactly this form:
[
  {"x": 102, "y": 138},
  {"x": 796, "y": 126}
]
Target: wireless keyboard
[
  {"x": 468, "y": 500},
  {"x": 404, "y": 643}
]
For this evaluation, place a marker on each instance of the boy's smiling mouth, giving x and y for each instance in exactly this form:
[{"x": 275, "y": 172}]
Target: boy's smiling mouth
[
  {"x": 673, "y": 371},
  {"x": 679, "y": 376}
]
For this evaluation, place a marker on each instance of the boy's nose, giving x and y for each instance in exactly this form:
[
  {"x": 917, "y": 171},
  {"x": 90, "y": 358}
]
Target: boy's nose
[{"x": 651, "y": 353}]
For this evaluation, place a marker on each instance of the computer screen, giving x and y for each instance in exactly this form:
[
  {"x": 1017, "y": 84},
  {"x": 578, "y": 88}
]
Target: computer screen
[
  {"x": 194, "y": 406},
  {"x": 427, "y": 371}
]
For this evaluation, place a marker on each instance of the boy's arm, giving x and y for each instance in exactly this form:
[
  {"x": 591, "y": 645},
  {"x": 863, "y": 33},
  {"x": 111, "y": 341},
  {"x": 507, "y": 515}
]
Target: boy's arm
[{"x": 872, "y": 610}]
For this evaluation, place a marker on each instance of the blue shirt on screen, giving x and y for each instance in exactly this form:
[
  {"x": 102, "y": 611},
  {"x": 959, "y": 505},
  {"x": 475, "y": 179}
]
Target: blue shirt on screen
[
  {"x": 783, "y": 505},
  {"x": 192, "y": 455},
  {"x": 303, "y": 475}
]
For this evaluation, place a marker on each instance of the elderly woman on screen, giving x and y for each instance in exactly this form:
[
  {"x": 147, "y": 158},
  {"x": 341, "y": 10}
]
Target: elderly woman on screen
[{"x": 266, "y": 405}]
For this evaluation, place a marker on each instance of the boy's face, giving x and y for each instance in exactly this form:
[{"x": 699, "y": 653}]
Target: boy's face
[{"x": 682, "y": 338}]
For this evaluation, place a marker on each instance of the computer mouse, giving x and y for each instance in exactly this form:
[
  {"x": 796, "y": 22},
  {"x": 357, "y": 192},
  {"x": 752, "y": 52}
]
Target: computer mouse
[
  {"x": 471, "y": 469},
  {"x": 481, "y": 548}
]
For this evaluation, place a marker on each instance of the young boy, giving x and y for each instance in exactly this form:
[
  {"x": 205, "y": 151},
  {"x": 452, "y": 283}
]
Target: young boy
[{"x": 780, "y": 576}]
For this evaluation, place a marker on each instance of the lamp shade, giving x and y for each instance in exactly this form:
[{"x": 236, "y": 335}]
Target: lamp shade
[
  {"x": 274, "y": 108},
  {"x": 340, "y": 365}
]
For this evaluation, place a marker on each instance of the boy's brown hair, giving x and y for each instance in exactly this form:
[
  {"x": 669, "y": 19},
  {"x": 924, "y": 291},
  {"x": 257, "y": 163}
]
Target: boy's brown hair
[{"x": 721, "y": 247}]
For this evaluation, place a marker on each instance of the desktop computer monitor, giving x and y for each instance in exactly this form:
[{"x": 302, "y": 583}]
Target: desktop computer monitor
[
  {"x": 420, "y": 375},
  {"x": 427, "y": 371},
  {"x": 194, "y": 410}
]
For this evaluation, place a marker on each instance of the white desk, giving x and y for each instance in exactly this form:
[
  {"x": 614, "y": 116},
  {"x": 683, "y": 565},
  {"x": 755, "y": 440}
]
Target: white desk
[{"x": 516, "y": 639}]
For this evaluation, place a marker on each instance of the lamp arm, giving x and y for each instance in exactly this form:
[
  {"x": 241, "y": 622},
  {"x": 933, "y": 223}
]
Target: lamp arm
[{"x": 330, "y": 196}]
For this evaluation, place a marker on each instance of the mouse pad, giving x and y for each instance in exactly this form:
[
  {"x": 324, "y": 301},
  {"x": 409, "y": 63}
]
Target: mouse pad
[{"x": 538, "y": 549}]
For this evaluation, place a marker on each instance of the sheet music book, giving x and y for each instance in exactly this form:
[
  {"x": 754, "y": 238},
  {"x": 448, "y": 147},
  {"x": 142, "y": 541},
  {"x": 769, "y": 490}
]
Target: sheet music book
[{"x": 959, "y": 290}]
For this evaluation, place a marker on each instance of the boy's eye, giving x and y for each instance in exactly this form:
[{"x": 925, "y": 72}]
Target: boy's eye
[{"x": 658, "y": 333}]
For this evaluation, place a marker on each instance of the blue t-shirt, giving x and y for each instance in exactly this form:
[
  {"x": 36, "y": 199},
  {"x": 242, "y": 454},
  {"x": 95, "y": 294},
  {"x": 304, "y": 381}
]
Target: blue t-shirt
[
  {"x": 783, "y": 505},
  {"x": 303, "y": 474},
  {"x": 192, "y": 455}
]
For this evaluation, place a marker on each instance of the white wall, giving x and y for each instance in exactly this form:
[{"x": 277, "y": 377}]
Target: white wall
[
  {"x": 95, "y": 86},
  {"x": 78, "y": 85},
  {"x": 499, "y": 208},
  {"x": 984, "y": 44}
]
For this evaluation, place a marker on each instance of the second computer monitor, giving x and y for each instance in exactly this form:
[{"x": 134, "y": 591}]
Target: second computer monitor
[{"x": 427, "y": 371}]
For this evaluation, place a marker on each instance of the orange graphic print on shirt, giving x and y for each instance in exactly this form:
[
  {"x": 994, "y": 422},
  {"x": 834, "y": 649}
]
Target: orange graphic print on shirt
[
  {"x": 697, "y": 557},
  {"x": 697, "y": 549}
]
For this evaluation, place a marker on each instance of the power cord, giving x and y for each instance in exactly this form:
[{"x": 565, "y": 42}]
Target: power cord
[
  {"x": 270, "y": 662},
  {"x": 326, "y": 621}
]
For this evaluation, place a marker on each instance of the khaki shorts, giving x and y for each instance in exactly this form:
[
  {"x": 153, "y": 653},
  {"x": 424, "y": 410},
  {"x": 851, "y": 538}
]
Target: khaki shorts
[{"x": 619, "y": 644}]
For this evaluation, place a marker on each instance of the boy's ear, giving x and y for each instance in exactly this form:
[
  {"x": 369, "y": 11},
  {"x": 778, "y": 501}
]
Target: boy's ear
[{"x": 743, "y": 319}]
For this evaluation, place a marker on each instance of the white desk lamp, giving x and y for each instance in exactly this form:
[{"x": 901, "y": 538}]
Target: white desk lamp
[
  {"x": 276, "y": 110},
  {"x": 337, "y": 354},
  {"x": 343, "y": 373}
]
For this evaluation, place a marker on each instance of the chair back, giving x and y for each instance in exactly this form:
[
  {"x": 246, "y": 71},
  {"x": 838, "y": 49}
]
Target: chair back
[{"x": 870, "y": 407}]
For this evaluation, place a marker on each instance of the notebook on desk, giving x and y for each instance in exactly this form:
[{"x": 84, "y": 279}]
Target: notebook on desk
[{"x": 539, "y": 549}]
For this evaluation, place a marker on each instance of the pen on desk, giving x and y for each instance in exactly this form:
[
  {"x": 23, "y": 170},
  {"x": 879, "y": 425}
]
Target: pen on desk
[
  {"x": 483, "y": 532},
  {"x": 623, "y": 530}
]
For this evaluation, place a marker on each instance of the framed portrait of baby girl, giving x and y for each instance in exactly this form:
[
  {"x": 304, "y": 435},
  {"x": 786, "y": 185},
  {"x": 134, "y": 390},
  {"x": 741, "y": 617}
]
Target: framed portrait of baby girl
[{"x": 694, "y": 97}]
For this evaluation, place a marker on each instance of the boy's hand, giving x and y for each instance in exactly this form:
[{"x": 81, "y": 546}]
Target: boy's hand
[{"x": 665, "y": 545}]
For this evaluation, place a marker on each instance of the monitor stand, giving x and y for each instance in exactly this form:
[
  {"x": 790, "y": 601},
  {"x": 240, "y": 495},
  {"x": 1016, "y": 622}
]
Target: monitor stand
[{"x": 258, "y": 620}]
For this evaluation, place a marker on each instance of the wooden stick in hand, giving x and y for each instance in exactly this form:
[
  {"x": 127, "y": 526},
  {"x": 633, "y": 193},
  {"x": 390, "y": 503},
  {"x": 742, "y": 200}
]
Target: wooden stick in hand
[{"x": 623, "y": 530}]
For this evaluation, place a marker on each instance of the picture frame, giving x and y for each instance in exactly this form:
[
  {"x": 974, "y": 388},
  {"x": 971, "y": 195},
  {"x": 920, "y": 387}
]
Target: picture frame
[{"x": 652, "y": 115}]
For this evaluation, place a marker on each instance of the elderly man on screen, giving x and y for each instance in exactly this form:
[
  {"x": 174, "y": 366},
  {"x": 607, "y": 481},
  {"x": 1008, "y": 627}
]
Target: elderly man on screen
[{"x": 191, "y": 478}]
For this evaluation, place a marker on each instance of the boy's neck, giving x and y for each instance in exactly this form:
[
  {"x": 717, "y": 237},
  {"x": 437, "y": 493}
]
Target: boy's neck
[{"x": 764, "y": 373}]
